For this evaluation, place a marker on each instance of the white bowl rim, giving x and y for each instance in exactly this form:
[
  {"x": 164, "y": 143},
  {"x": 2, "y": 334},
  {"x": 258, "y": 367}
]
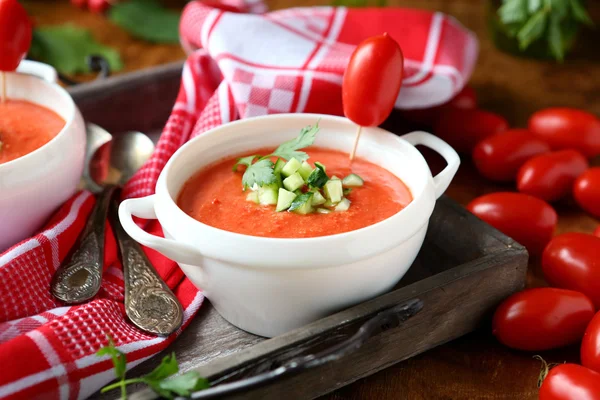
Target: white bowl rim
[
  {"x": 415, "y": 202},
  {"x": 68, "y": 122}
]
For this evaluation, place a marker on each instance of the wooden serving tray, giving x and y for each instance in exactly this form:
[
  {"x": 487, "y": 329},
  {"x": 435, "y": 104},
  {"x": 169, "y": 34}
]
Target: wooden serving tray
[{"x": 464, "y": 269}]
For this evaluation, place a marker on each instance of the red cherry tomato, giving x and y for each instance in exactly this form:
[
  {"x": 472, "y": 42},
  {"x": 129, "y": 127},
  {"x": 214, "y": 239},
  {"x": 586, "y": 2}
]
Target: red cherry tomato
[
  {"x": 466, "y": 99},
  {"x": 587, "y": 191},
  {"x": 98, "y": 6},
  {"x": 567, "y": 128},
  {"x": 551, "y": 176},
  {"x": 15, "y": 34},
  {"x": 500, "y": 156},
  {"x": 570, "y": 382},
  {"x": 463, "y": 129},
  {"x": 542, "y": 319},
  {"x": 572, "y": 261},
  {"x": 527, "y": 219},
  {"x": 372, "y": 80},
  {"x": 590, "y": 345},
  {"x": 597, "y": 231}
]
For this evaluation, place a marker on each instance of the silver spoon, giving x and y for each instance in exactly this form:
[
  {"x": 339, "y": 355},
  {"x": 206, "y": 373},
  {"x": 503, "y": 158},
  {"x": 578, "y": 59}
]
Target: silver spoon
[{"x": 79, "y": 277}]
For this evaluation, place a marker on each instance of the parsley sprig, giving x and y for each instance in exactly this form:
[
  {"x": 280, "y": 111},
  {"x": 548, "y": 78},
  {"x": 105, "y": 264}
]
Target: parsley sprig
[
  {"x": 182, "y": 385},
  {"x": 555, "y": 21},
  {"x": 261, "y": 172}
]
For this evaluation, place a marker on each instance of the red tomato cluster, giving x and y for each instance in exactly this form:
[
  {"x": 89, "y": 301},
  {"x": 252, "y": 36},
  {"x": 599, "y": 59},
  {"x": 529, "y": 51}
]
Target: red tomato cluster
[
  {"x": 96, "y": 6},
  {"x": 547, "y": 161},
  {"x": 15, "y": 34}
]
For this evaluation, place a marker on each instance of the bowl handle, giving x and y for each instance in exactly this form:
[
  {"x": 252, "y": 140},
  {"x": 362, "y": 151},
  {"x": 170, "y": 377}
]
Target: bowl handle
[
  {"x": 41, "y": 70},
  {"x": 442, "y": 180},
  {"x": 143, "y": 207}
]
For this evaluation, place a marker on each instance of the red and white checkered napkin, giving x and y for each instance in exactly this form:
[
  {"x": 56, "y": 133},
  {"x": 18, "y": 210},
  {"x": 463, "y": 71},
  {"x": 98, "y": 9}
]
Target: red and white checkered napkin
[{"x": 246, "y": 65}]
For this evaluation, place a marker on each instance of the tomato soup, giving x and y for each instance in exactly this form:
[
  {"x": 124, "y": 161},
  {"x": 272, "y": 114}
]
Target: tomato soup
[
  {"x": 25, "y": 127},
  {"x": 214, "y": 196}
]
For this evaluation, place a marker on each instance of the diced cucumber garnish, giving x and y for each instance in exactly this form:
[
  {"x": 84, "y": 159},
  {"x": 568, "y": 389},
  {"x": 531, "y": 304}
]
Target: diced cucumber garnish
[
  {"x": 252, "y": 197},
  {"x": 329, "y": 204},
  {"x": 279, "y": 164},
  {"x": 302, "y": 204},
  {"x": 317, "y": 178},
  {"x": 333, "y": 178},
  {"x": 291, "y": 167},
  {"x": 323, "y": 211},
  {"x": 294, "y": 181},
  {"x": 343, "y": 205},
  {"x": 353, "y": 180},
  {"x": 284, "y": 200},
  {"x": 305, "y": 170},
  {"x": 333, "y": 190},
  {"x": 318, "y": 198},
  {"x": 267, "y": 195},
  {"x": 319, "y": 165}
]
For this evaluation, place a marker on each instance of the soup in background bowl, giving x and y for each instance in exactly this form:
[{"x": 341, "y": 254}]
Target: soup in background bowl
[{"x": 271, "y": 285}]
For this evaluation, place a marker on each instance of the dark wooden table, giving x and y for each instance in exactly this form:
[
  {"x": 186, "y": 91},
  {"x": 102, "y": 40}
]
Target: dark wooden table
[{"x": 475, "y": 366}]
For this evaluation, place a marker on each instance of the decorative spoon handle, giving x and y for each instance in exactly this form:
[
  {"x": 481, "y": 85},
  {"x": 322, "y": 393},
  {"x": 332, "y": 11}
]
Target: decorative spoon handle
[
  {"x": 149, "y": 303},
  {"x": 79, "y": 277}
]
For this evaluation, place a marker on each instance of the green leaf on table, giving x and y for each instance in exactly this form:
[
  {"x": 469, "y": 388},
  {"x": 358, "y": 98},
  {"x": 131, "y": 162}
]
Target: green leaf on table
[
  {"x": 512, "y": 11},
  {"x": 580, "y": 13},
  {"x": 185, "y": 384},
  {"x": 167, "y": 367},
  {"x": 67, "y": 47},
  {"x": 289, "y": 149},
  {"x": 533, "y": 29},
  {"x": 534, "y": 5},
  {"x": 118, "y": 358},
  {"x": 146, "y": 20},
  {"x": 555, "y": 39}
]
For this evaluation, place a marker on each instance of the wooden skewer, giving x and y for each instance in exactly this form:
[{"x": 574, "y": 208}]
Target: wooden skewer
[
  {"x": 3, "y": 86},
  {"x": 355, "y": 143}
]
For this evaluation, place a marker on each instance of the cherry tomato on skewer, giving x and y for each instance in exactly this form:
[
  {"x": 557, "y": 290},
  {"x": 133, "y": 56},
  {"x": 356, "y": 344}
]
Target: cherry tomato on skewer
[
  {"x": 15, "y": 34},
  {"x": 372, "y": 80}
]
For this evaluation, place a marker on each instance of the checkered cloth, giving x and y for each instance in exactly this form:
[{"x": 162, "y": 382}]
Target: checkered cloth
[{"x": 240, "y": 65}]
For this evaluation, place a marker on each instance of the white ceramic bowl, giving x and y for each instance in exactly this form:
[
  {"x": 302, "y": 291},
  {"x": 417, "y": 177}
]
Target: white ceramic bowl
[
  {"x": 269, "y": 286},
  {"x": 32, "y": 187}
]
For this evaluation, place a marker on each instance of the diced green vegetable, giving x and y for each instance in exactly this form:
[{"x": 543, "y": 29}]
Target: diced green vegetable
[
  {"x": 298, "y": 192},
  {"x": 353, "y": 180},
  {"x": 318, "y": 198},
  {"x": 333, "y": 190},
  {"x": 347, "y": 191},
  {"x": 343, "y": 205},
  {"x": 293, "y": 182},
  {"x": 334, "y": 178},
  {"x": 279, "y": 164},
  {"x": 305, "y": 170},
  {"x": 329, "y": 204},
  {"x": 323, "y": 211},
  {"x": 252, "y": 197},
  {"x": 319, "y": 165},
  {"x": 267, "y": 195},
  {"x": 317, "y": 178},
  {"x": 284, "y": 200},
  {"x": 291, "y": 167},
  {"x": 302, "y": 204}
]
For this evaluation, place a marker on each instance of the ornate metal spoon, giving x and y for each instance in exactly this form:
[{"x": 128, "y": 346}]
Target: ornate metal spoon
[
  {"x": 78, "y": 279},
  {"x": 149, "y": 303}
]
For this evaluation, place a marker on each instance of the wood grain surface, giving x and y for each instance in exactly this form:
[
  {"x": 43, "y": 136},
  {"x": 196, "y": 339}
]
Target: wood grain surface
[{"x": 474, "y": 366}]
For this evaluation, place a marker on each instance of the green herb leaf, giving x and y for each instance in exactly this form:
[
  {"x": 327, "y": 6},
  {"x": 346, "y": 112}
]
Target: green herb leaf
[
  {"x": 534, "y": 5},
  {"x": 533, "y": 29},
  {"x": 289, "y": 150},
  {"x": 166, "y": 368},
  {"x": 247, "y": 161},
  {"x": 260, "y": 173},
  {"x": 555, "y": 40},
  {"x": 317, "y": 178},
  {"x": 118, "y": 358},
  {"x": 513, "y": 11},
  {"x": 185, "y": 384},
  {"x": 146, "y": 20},
  {"x": 300, "y": 200},
  {"x": 67, "y": 47},
  {"x": 580, "y": 13}
]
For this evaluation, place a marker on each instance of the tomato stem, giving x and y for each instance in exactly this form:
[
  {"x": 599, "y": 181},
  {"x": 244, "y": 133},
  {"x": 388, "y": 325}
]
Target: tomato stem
[{"x": 544, "y": 370}]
